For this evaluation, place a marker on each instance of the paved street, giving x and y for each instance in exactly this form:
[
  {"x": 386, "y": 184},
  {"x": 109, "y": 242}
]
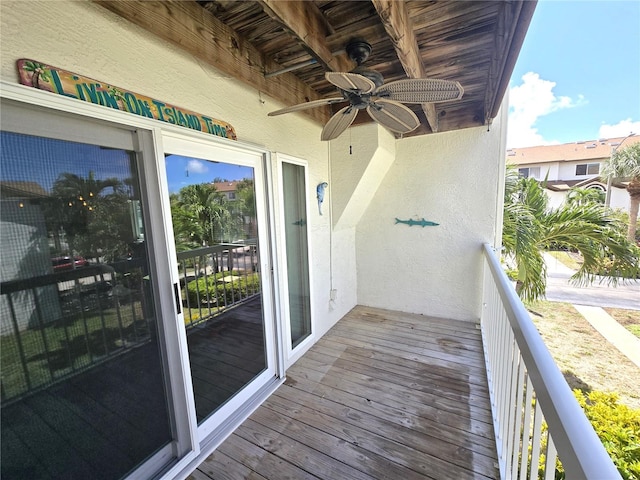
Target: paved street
[{"x": 559, "y": 289}]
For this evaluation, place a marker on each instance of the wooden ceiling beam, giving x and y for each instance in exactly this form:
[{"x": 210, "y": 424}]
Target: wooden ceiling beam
[
  {"x": 200, "y": 34},
  {"x": 305, "y": 20},
  {"x": 395, "y": 18}
]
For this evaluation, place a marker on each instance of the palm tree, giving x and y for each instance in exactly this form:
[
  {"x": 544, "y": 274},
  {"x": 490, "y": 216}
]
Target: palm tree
[
  {"x": 625, "y": 162},
  {"x": 588, "y": 228},
  {"x": 73, "y": 203},
  {"x": 202, "y": 214},
  {"x": 40, "y": 72},
  {"x": 585, "y": 196}
]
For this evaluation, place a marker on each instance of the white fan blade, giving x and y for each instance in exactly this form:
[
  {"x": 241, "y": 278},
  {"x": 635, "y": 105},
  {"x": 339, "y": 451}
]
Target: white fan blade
[
  {"x": 339, "y": 123},
  {"x": 352, "y": 82},
  {"x": 393, "y": 115},
  {"x": 421, "y": 90},
  {"x": 304, "y": 106}
]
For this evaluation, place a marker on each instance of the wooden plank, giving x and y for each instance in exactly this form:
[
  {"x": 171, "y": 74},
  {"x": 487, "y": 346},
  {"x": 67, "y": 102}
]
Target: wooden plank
[
  {"x": 259, "y": 460},
  {"x": 403, "y": 414},
  {"x": 436, "y": 357},
  {"x": 309, "y": 25},
  {"x": 17, "y": 459},
  {"x": 419, "y": 373},
  {"x": 87, "y": 443},
  {"x": 219, "y": 466},
  {"x": 34, "y": 432},
  {"x": 375, "y": 421},
  {"x": 392, "y": 447},
  {"x": 199, "y": 33},
  {"x": 439, "y": 341},
  {"x": 445, "y": 348},
  {"x": 373, "y": 409},
  {"x": 350, "y": 381},
  {"x": 274, "y": 438},
  {"x": 396, "y": 21},
  {"x": 369, "y": 463}
]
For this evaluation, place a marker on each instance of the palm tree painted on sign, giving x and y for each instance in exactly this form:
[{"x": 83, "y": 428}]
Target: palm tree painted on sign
[
  {"x": 530, "y": 227},
  {"x": 625, "y": 163},
  {"x": 39, "y": 72}
]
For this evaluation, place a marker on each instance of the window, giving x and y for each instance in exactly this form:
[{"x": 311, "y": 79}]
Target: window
[
  {"x": 533, "y": 172},
  {"x": 588, "y": 169}
]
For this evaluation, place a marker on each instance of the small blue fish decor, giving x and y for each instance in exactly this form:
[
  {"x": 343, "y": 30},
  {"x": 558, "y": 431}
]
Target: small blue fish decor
[
  {"x": 423, "y": 223},
  {"x": 320, "y": 194}
]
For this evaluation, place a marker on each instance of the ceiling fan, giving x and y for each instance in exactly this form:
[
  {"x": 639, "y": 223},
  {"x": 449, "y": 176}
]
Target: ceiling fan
[{"x": 365, "y": 89}]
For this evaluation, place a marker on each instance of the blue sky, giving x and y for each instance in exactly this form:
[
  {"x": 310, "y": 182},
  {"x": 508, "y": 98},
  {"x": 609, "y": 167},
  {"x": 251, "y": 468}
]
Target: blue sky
[
  {"x": 182, "y": 171},
  {"x": 578, "y": 74}
]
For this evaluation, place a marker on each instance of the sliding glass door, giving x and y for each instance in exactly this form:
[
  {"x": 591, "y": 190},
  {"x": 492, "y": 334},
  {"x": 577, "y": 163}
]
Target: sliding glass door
[
  {"x": 83, "y": 371},
  {"x": 136, "y": 293},
  {"x": 218, "y": 216}
]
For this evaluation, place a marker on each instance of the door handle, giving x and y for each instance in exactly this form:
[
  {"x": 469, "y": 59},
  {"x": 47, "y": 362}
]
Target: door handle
[{"x": 176, "y": 294}]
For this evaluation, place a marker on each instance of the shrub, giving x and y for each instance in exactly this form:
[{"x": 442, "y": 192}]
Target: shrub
[
  {"x": 213, "y": 291},
  {"x": 617, "y": 426}
]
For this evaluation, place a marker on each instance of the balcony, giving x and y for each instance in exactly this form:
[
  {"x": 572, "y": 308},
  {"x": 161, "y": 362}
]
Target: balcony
[
  {"x": 383, "y": 394},
  {"x": 393, "y": 395}
]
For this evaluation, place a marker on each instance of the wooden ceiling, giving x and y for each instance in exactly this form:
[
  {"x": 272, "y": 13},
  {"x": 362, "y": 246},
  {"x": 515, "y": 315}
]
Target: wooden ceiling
[{"x": 283, "y": 48}]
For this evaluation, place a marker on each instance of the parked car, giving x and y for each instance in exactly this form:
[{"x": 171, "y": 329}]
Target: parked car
[{"x": 61, "y": 264}]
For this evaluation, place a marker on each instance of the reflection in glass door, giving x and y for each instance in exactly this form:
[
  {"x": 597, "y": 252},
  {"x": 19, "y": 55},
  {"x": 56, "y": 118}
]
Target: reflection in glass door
[
  {"x": 83, "y": 393},
  {"x": 216, "y": 230},
  {"x": 297, "y": 250}
]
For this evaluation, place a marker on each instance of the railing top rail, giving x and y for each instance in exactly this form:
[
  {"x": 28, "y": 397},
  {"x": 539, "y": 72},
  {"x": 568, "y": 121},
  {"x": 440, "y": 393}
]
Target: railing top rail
[
  {"x": 221, "y": 247},
  {"x": 579, "y": 447}
]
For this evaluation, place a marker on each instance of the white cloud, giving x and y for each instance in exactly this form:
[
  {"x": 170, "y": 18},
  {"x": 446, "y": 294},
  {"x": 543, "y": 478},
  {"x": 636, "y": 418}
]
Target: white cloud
[
  {"x": 529, "y": 101},
  {"x": 197, "y": 166},
  {"x": 620, "y": 129}
]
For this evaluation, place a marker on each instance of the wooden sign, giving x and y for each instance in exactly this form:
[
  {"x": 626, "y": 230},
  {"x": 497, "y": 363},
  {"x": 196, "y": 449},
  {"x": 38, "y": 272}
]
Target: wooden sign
[{"x": 62, "y": 82}]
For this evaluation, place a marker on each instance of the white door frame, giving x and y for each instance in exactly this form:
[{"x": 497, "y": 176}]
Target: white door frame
[{"x": 190, "y": 444}]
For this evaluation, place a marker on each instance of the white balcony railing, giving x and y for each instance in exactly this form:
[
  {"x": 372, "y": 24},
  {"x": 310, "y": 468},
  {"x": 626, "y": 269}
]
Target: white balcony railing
[{"x": 527, "y": 390}]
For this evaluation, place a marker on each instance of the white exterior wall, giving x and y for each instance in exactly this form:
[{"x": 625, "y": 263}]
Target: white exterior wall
[
  {"x": 568, "y": 170},
  {"x": 451, "y": 178},
  {"x": 87, "y": 39},
  {"x": 454, "y": 179}
]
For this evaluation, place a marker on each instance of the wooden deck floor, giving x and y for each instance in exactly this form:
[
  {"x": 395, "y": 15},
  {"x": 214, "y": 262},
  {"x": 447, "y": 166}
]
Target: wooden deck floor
[
  {"x": 381, "y": 395},
  {"x": 101, "y": 423}
]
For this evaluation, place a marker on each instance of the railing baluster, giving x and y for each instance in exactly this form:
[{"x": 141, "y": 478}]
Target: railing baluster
[
  {"x": 536, "y": 440},
  {"x": 16, "y": 330},
  {"x": 526, "y": 431},
  {"x": 43, "y": 333},
  {"x": 551, "y": 456},
  {"x": 519, "y": 408},
  {"x": 519, "y": 364}
]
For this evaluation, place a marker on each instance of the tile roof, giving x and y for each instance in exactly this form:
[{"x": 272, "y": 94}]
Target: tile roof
[
  {"x": 568, "y": 152},
  {"x": 223, "y": 187}
]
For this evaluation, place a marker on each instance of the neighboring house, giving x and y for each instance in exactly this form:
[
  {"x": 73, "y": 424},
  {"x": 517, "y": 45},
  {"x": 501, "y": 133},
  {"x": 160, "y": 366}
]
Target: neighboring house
[
  {"x": 228, "y": 189},
  {"x": 156, "y": 360},
  {"x": 573, "y": 165}
]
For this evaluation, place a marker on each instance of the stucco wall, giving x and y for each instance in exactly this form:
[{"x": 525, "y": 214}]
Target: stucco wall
[
  {"x": 89, "y": 40},
  {"x": 449, "y": 178}
]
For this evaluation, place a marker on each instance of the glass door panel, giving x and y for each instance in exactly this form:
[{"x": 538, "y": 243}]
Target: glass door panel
[
  {"x": 216, "y": 230},
  {"x": 83, "y": 392},
  {"x": 296, "y": 246}
]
